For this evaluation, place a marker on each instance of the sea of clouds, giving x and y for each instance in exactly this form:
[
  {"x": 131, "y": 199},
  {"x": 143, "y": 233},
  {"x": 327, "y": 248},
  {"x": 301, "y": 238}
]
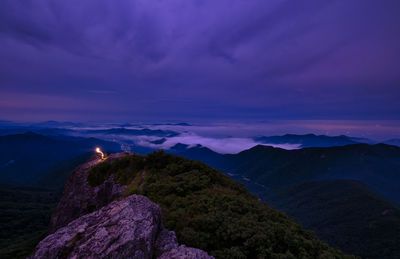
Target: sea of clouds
[
  {"x": 224, "y": 139},
  {"x": 229, "y": 145}
]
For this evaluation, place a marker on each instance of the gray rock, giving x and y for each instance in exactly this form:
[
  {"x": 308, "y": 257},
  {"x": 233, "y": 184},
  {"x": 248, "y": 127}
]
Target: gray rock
[
  {"x": 79, "y": 198},
  {"x": 183, "y": 252},
  {"x": 129, "y": 228}
]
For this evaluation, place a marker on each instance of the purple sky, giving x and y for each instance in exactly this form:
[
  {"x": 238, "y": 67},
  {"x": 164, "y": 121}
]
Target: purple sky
[{"x": 199, "y": 60}]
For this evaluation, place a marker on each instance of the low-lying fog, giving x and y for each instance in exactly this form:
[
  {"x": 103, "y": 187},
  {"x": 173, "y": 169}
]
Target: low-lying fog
[{"x": 220, "y": 137}]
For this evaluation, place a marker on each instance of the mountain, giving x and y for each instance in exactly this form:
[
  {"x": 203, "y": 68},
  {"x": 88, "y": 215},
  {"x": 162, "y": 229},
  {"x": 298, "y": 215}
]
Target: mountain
[
  {"x": 40, "y": 131},
  {"x": 367, "y": 224},
  {"x": 178, "y": 148},
  {"x": 48, "y": 128},
  {"x": 268, "y": 171},
  {"x": 394, "y": 142},
  {"x": 6, "y": 123},
  {"x": 24, "y": 218},
  {"x": 135, "y": 132},
  {"x": 308, "y": 140},
  {"x": 56, "y": 176},
  {"x": 201, "y": 153},
  {"x": 25, "y": 158},
  {"x": 180, "y": 124},
  {"x": 158, "y": 141},
  {"x": 56, "y": 124},
  {"x": 205, "y": 208},
  {"x": 376, "y": 165},
  {"x": 185, "y": 124}
]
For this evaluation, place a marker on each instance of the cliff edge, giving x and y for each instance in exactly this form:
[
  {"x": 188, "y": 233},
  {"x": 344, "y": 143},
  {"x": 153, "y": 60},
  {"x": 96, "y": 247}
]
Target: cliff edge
[{"x": 129, "y": 228}]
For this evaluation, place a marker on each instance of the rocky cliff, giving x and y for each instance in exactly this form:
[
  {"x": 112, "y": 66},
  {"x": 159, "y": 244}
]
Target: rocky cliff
[
  {"x": 129, "y": 228},
  {"x": 97, "y": 222},
  {"x": 80, "y": 198}
]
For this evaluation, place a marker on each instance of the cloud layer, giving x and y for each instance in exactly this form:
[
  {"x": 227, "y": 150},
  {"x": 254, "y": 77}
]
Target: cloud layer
[
  {"x": 220, "y": 145},
  {"x": 176, "y": 59}
]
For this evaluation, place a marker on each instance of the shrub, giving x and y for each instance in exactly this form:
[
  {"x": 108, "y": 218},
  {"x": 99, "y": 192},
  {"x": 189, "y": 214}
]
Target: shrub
[{"x": 210, "y": 211}]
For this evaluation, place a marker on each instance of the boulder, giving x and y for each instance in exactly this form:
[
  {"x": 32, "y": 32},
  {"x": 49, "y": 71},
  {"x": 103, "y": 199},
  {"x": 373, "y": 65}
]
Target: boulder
[
  {"x": 129, "y": 228},
  {"x": 79, "y": 198}
]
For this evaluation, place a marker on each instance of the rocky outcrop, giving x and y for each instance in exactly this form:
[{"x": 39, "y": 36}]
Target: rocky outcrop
[
  {"x": 129, "y": 228},
  {"x": 95, "y": 222},
  {"x": 185, "y": 252},
  {"x": 80, "y": 198}
]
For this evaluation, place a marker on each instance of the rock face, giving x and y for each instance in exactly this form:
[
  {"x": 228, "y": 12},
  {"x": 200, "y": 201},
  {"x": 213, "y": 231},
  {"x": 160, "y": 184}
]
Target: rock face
[
  {"x": 129, "y": 228},
  {"x": 80, "y": 198},
  {"x": 90, "y": 222},
  {"x": 185, "y": 252}
]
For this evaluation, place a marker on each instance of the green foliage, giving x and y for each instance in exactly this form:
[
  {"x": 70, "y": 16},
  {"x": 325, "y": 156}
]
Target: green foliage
[
  {"x": 24, "y": 218},
  {"x": 210, "y": 211},
  {"x": 123, "y": 172},
  {"x": 367, "y": 224}
]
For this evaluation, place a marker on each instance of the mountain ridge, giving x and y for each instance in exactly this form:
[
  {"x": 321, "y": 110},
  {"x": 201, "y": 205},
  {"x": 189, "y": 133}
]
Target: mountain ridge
[
  {"x": 267, "y": 171},
  {"x": 34, "y": 154},
  {"x": 307, "y": 140},
  {"x": 192, "y": 191}
]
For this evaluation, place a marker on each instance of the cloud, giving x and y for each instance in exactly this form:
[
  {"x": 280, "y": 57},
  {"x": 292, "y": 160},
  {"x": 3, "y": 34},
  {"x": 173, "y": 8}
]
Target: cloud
[
  {"x": 216, "y": 59},
  {"x": 220, "y": 145},
  {"x": 99, "y": 91}
]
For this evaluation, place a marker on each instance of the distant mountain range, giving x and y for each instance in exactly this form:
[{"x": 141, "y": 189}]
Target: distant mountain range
[
  {"x": 394, "y": 142},
  {"x": 25, "y": 158},
  {"x": 342, "y": 189},
  {"x": 41, "y": 131},
  {"x": 312, "y": 140},
  {"x": 340, "y": 192},
  {"x": 347, "y": 193},
  {"x": 184, "y": 124},
  {"x": 158, "y": 141},
  {"x": 120, "y": 131},
  {"x": 377, "y": 165},
  {"x": 136, "y": 132},
  {"x": 308, "y": 140},
  {"x": 56, "y": 124}
]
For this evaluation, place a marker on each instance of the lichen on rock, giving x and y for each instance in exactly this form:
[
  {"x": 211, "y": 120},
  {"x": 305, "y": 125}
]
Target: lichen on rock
[{"x": 128, "y": 228}]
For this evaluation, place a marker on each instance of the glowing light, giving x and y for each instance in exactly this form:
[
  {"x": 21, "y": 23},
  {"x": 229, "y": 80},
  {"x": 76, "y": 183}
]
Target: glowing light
[{"x": 99, "y": 152}]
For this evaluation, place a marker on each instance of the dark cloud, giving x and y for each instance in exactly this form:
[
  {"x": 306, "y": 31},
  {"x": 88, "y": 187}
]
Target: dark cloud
[{"x": 200, "y": 59}]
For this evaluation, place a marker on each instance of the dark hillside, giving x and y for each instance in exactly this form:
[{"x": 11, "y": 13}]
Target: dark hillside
[
  {"x": 376, "y": 165},
  {"x": 208, "y": 210},
  {"x": 307, "y": 184},
  {"x": 25, "y": 158},
  {"x": 24, "y": 218},
  {"x": 366, "y": 223}
]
